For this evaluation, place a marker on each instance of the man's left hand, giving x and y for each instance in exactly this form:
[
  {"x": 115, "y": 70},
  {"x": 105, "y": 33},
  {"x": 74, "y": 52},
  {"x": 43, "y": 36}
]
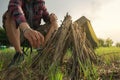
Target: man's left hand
[{"x": 53, "y": 18}]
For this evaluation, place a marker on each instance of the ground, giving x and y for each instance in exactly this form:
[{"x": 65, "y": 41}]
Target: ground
[{"x": 107, "y": 66}]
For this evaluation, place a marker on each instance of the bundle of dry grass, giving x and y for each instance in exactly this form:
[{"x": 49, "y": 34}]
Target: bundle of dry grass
[{"x": 68, "y": 37}]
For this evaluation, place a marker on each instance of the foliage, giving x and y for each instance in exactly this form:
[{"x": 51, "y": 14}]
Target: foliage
[
  {"x": 105, "y": 43},
  {"x": 108, "y": 42},
  {"x": 106, "y": 50},
  {"x": 101, "y": 42},
  {"x": 5, "y": 57},
  {"x": 118, "y": 44},
  {"x": 55, "y": 73},
  {"x": 3, "y": 37}
]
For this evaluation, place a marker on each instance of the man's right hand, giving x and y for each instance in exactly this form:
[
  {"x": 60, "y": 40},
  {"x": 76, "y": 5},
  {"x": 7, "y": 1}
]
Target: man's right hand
[{"x": 34, "y": 37}]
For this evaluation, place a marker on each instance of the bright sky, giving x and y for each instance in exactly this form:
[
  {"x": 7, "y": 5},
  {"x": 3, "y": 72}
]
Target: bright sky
[{"x": 103, "y": 14}]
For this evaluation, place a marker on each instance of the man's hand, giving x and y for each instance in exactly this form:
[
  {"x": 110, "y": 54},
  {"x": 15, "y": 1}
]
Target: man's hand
[
  {"x": 53, "y": 26},
  {"x": 53, "y": 18},
  {"x": 34, "y": 37}
]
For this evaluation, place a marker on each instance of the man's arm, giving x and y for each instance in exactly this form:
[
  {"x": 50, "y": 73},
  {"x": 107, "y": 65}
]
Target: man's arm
[
  {"x": 34, "y": 37},
  {"x": 53, "y": 26},
  {"x": 45, "y": 14}
]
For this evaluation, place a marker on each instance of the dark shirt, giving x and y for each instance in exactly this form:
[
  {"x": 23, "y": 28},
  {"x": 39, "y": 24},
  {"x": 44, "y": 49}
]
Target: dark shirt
[{"x": 31, "y": 12}]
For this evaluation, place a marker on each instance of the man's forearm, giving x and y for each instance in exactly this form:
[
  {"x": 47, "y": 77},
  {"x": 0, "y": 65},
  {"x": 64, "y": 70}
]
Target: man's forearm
[{"x": 23, "y": 26}]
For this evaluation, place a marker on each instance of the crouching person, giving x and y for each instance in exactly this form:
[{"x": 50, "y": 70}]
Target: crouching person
[{"x": 25, "y": 16}]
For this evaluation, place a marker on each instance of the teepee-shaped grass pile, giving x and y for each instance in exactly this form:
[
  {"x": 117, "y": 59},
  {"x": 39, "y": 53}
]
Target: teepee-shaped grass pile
[{"x": 69, "y": 37}]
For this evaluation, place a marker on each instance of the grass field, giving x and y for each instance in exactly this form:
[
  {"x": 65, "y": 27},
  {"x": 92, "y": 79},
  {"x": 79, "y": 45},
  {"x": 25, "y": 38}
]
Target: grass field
[
  {"x": 107, "y": 67},
  {"x": 108, "y": 54},
  {"x": 107, "y": 50},
  {"x": 110, "y": 66}
]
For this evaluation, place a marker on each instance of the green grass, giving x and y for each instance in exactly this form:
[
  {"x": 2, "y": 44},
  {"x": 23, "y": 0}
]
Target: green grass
[
  {"x": 7, "y": 54},
  {"x": 107, "y": 50},
  {"x": 7, "y": 51},
  {"x": 55, "y": 73},
  {"x": 5, "y": 57},
  {"x": 107, "y": 55}
]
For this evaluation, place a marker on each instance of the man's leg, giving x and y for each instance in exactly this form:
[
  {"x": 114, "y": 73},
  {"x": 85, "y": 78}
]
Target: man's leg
[
  {"x": 14, "y": 38},
  {"x": 13, "y": 33}
]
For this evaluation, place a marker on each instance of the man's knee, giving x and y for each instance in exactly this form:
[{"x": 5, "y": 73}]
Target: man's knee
[{"x": 8, "y": 21}]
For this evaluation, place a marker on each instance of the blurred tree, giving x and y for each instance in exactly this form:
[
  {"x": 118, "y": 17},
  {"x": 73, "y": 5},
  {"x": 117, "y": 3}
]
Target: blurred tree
[
  {"x": 101, "y": 42},
  {"x": 108, "y": 42},
  {"x": 117, "y": 44}
]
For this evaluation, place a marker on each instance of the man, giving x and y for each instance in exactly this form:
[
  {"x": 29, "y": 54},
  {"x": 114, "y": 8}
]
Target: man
[{"x": 25, "y": 16}]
